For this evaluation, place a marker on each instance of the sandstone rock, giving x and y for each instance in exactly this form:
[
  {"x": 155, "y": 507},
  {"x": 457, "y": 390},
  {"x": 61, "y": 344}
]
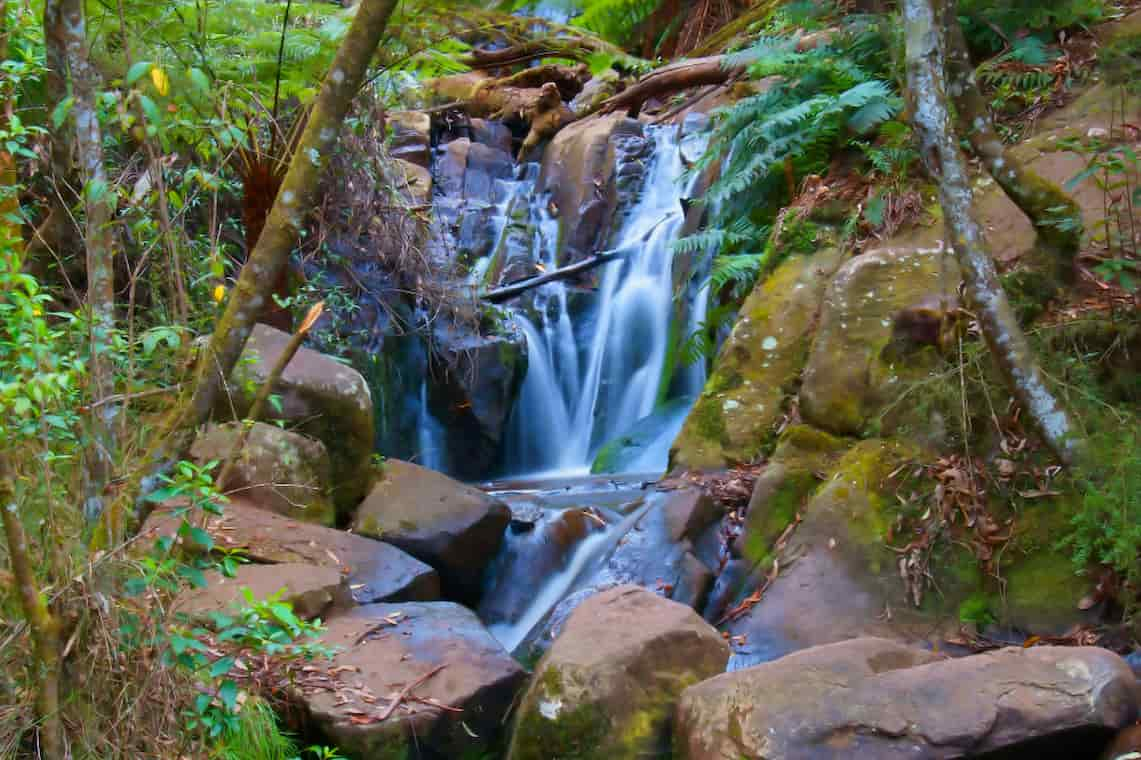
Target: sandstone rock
[
  {"x": 579, "y": 171},
  {"x": 608, "y": 685},
  {"x": 494, "y": 134},
  {"x": 376, "y": 571},
  {"x": 757, "y": 368},
  {"x": 417, "y": 182},
  {"x": 867, "y": 698},
  {"x": 848, "y": 378},
  {"x": 385, "y": 648},
  {"x": 278, "y": 470},
  {"x": 688, "y": 511},
  {"x": 325, "y": 399},
  {"x": 312, "y": 590},
  {"x": 411, "y": 137},
  {"x": 453, "y": 527}
]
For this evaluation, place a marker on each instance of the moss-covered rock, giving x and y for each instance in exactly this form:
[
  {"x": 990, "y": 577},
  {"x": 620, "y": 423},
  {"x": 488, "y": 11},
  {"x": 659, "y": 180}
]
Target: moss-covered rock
[
  {"x": 848, "y": 377},
  {"x": 757, "y": 368},
  {"x": 276, "y": 469},
  {"x": 607, "y": 688}
]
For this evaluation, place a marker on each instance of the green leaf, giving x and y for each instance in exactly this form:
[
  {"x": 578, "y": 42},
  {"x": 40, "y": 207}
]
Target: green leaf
[
  {"x": 228, "y": 694},
  {"x": 221, "y": 667},
  {"x": 200, "y": 81},
  {"x": 139, "y": 70},
  {"x": 150, "y": 108},
  {"x": 61, "y": 111},
  {"x": 201, "y": 538}
]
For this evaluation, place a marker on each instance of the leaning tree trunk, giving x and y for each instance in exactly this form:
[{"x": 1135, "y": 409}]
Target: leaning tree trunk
[
  {"x": 1008, "y": 344},
  {"x": 287, "y": 217},
  {"x": 66, "y": 35},
  {"x": 1055, "y": 215}
]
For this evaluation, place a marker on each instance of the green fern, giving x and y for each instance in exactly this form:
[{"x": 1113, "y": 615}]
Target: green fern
[{"x": 615, "y": 20}]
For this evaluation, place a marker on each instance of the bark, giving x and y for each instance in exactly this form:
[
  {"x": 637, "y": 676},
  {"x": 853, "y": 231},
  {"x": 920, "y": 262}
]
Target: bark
[
  {"x": 1055, "y": 215},
  {"x": 985, "y": 296},
  {"x": 682, "y": 75},
  {"x": 575, "y": 49},
  {"x": 287, "y": 217},
  {"x": 64, "y": 27},
  {"x": 507, "y": 292},
  {"x": 42, "y": 625}
]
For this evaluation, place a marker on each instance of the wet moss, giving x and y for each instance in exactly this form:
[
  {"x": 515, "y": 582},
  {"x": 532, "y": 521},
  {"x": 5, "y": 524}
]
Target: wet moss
[
  {"x": 766, "y": 521},
  {"x": 709, "y": 419}
]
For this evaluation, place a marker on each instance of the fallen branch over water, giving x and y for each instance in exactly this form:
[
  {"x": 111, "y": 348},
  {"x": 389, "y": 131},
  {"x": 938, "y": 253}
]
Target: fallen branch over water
[{"x": 508, "y": 292}]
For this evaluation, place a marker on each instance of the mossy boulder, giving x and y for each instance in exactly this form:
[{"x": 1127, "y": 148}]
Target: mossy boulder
[
  {"x": 276, "y": 469},
  {"x": 608, "y": 686},
  {"x": 453, "y": 527},
  {"x": 849, "y": 376},
  {"x": 319, "y": 397},
  {"x": 757, "y": 368}
]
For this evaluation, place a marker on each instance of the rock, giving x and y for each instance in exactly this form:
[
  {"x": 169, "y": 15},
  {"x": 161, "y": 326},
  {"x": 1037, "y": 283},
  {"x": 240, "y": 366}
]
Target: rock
[
  {"x": 278, "y": 470},
  {"x": 757, "y": 368},
  {"x": 417, "y": 182},
  {"x": 453, "y": 527},
  {"x": 848, "y": 379},
  {"x": 313, "y": 591},
  {"x": 475, "y": 390},
  {"x": 494, "y": 134},
  {"x": 579, "y": 171},
  {"x": 376, "y": 571},
  {"x": 867, "y": 698},
  {"x": 376, "y": 659},
  {"x": 633, "y": 450},
  {"x": 323, "y": 398},
  {"x": 694, "y": 582},
  {"x": 607, "y": 686},
  {"x": 597, "y": 89},
  {"x": 688, "y": 511},
  {"x": 411, "y": 137}
]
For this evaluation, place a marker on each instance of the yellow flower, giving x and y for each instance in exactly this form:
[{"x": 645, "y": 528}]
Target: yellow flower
[
  {"x": 219, "y": 293},
  {"x": 37, "y": 311},
  {"x": 161, "y": 82}
]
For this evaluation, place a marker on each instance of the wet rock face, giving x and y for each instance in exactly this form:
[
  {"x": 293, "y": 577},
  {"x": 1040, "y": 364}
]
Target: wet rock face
[
  {"x": 872, "y": 698},
  {"x": 758, "y": 367},
  {"x": 321, "y": 397},
  {"x": 474, "y": 392},
  {"x": 375, "y": 571},
  {"x": 608, "y": 685},
  {"x": 384, "y": 648},
  {"x": 587, "y": 178},
  {"x": 453, "y": 527},
  {"x": 466, "y": 173},
  {"x": 284, "y": 472}
]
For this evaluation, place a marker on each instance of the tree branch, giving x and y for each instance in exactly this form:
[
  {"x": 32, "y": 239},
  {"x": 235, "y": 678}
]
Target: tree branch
[{"x": 507, "y": 292}]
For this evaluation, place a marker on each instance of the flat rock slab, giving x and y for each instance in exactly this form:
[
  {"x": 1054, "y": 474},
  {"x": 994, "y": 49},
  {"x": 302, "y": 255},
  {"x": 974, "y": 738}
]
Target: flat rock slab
[
  {"x": 608, "y": 685},
  {"x": 468, "y": 683},
  {"x": 376, "y": 571},
  {"x": 313, "y": 591},
  {"x": 452, "y": 526},
  {"x": 876, "y": 699}
]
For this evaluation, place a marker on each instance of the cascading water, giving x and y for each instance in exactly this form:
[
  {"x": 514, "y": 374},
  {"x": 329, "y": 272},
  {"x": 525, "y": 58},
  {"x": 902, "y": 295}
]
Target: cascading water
[{"x": 596, "y": 370}]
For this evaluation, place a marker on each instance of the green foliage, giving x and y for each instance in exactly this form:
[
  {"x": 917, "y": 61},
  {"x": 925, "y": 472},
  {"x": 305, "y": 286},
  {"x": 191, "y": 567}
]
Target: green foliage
[
  {"x": 256, "y": 736},
  {"x": 992, "y": 25},
  {"x": 615, "y": 20}
]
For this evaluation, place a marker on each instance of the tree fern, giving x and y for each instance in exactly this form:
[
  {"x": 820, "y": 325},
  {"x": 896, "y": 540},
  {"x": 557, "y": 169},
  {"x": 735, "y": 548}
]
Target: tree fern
[{"x": 615, "y": 20}]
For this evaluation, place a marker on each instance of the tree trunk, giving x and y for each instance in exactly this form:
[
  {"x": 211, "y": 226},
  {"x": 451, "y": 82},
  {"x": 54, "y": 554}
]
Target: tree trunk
[
  {"x": 1055, "y": 214},
  {"x": 287, "y": 217},
  {"x": 1008, "y": 344},
  {"x": 43, "y": 630},
  {"x": 64, "y": 27}
]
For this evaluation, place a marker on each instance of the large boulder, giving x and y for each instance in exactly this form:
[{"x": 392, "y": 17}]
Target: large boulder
[
  {"x": 580, "y": 172},
  {"x": 850, "y": 375},
  {"x": 376, "y": 571},
  {"x": 870, "y": 698},
  {"x": 453, "y": 527},
  {"x": 454, "y": 682},
  {"x": 758, "y": 367},
  {"x": 276, "y": 469},
  {"x": 608, "y": 686},
  {"x": 320, "y": 397},
  {"x": 313, "y": 591}
]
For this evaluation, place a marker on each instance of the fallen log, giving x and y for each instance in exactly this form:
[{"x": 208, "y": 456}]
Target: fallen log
[
  {"x": 507, "y": 292},
  {"x": 578, "y": 49},
  {"x": 682, "y": 75}
]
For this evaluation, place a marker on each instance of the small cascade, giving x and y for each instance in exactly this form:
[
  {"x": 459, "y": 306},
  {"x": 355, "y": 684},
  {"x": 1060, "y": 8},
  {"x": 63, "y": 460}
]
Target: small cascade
[
  {"x": 596, "y": 363},
  {"x": 431, "y": 442}
]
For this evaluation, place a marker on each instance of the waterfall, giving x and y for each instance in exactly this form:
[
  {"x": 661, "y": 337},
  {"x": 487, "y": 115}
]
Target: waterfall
[{"x": 596, "y": 369}]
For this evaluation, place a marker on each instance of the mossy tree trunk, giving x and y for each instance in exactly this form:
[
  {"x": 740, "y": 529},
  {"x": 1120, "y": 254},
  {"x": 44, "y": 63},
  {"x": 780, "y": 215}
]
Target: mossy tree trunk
[
  {"x": 931, "y": 115},
  {"x": 1055, "y": 214},
  {"x": 287, "y": 217},
  {"x": 65, "y": 34}
]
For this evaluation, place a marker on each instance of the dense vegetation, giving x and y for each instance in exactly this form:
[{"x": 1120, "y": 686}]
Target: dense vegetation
[{"x": 197, "y": 106}]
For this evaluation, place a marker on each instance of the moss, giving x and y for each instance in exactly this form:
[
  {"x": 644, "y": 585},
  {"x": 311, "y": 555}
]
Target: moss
[
  {"x": 709, "y": 419},
  {"x": 1029, "y": 290},
  {"x": 808, "y": 439},
  {"x": 978, "y": 608},
  {"x": 573, "y": 734},
  {"x": 766, "y": 521},
  {"x": 863, "y": 472}
]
